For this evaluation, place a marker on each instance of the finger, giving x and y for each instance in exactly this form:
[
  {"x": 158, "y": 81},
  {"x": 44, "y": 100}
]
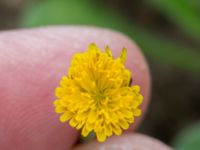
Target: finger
[
  {"x": 126, "y": 142},
  {"x": 31, "y": 65}
]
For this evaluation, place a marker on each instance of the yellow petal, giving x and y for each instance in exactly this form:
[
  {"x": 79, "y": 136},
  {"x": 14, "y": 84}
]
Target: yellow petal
[
  {"x": 80, "y": 125},
  {"x": 127, "y": 113},
  {"x": 108, "y": 130},
  {"x": 130, "y": 120},
  {"x": 56, "y": 103},
  {"x": 113, "y": 116},
  {"x": 85, "y": 131},
  {"x": 136, "y": 88},
  {"x": 123, "y": 124},
  {"x": 60, "y": 109},
  {"x": 82, "y": 116},
  {"x": 136, "y": 112},
  {"x": 120, "y": 115},
  {"x": 60, "y": 92},
  {"x": 140, "y": 98},
  {"x": 64, "y": 102},
  {"x": 93, "y": 48},
  {"x": 73, "y": 122},
  {"x": 64, "y": 81},
  {"x": 92, "y": 116},
  {"x": 108, "y": 51},
  {"x": 66, "y": 116},
  {"x": 101, "y": 136},
  {"x": 134, "y": 104},
  {"x": 116, "y": 129},
  {"x": 123, "y": 55}
]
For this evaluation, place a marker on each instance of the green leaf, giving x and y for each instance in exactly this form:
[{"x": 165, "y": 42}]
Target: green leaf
[
  {"x": 189, "y": 139},
  {"x": 181, "y": 12},
  {"x": 87, "y": 13},
  {"x": 163, "y": 49}
]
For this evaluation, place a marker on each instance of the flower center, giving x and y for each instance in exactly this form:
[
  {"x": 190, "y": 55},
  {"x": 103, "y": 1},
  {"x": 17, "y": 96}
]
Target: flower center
[{"x": 100, "y": 99}]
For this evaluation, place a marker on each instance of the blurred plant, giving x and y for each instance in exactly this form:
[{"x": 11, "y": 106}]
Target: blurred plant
[
  {"x": 183, "y": 13},
  {"x": 87, "y": 12},
  {"x": 189, "y": 139}
]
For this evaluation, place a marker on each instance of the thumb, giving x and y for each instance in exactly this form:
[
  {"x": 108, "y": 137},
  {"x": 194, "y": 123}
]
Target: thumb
[{"x": 31, "y": 64}]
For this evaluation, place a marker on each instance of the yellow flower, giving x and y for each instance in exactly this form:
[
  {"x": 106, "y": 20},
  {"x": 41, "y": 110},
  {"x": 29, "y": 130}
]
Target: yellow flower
[{"x": 96, "y": 94}]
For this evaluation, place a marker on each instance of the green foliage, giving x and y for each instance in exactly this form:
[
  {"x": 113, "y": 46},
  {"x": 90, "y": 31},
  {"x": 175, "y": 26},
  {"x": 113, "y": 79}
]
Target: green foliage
[
  {"x": 181, "y": 12},
  {"x": 86, "y": 12},
  {"x": 189, "y": 139}
]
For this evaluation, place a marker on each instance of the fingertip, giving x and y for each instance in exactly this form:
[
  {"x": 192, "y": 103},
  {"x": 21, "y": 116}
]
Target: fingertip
[
  {"x": 126, "y": 142},
  {"x": 32, "y": 63}
]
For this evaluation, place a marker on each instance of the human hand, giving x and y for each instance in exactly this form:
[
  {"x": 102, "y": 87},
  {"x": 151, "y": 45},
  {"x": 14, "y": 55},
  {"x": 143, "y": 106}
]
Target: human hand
[{"x": 31, "y": 65}]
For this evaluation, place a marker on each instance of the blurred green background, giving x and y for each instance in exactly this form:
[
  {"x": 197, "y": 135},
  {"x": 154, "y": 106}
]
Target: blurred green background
[{"x": 168, "y": 32}]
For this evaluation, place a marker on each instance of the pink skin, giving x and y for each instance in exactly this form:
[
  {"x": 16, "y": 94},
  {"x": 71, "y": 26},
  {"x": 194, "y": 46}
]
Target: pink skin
[
  {"x": 127, "y": 141},
  {"x": 31, "y": 64}
]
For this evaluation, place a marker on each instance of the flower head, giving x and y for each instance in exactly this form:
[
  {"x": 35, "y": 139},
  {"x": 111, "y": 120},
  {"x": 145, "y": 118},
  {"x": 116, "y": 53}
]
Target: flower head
[{"x": 96, "y": 94}]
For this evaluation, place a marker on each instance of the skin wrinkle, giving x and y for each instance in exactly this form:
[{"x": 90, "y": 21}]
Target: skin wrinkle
[
  {"x": 25, "y": 67},
  {"x": 25, "y": 117},
  {"x": 31, "y": 69}
]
